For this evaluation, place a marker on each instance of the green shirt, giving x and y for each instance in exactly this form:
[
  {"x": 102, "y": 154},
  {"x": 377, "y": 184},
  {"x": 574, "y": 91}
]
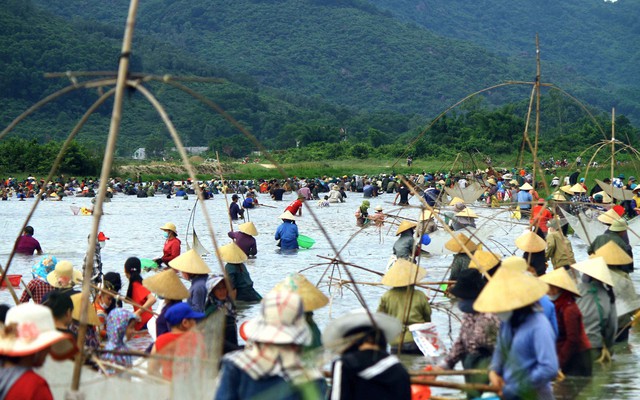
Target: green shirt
[{"x": 393, "y": 303}]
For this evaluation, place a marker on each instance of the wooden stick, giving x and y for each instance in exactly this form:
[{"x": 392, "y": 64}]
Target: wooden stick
[
  {"x": 467, "y": 387},
  {"x": 226, "y": 200},
  {"x": 450, "y": 372},
  {"x": 423, "y": 283},
  {"x": 9, "y": 286},
  {"x": 125, "y": 299},
  {"x": 131, "y": 371},
  {"x": 380, "y": 284},
  {"x": 334, "y": 260}
]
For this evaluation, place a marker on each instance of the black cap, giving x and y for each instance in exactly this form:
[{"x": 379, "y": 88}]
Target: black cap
[{"x": 469, "y": 284}]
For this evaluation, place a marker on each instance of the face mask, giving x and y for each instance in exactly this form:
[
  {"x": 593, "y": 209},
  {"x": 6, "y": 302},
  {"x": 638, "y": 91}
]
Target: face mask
[
  {"x": 554, "y": 297},
  {"x": 101, "y": 245},
  {"x": 504, "y": 316},
  {"x": 165, "y": 235}
]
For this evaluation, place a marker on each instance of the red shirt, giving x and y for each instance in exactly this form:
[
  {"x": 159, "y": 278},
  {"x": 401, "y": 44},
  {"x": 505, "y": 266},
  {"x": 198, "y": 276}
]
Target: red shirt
[
  {"x": 572, "y": 338},
  {"x": 38, "y": 289},
  {"x": 30, "y": 386},
  {"x": 171, "y": 249},
  {"x": 28, "y": 245},
  {"x": 294, "y": 206},
  {"x": 540, "y": 216},
  {"x": 139, "y": 295},
  {"x": 178, "y": 344}
]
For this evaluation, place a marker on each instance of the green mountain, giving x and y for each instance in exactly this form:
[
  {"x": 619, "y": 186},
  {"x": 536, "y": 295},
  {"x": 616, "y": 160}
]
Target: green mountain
[{"x": 591, "y": 48}]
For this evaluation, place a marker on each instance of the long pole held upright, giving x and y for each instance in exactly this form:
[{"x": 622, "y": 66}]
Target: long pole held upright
[
  {"x": 613, "y": 141},
  {"x": 114, "y": 128},
  {"x": 537, "y": 86}
]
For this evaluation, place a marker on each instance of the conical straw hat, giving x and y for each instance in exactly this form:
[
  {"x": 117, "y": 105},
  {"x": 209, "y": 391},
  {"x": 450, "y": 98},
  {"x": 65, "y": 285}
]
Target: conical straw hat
[
  {"x": 606, "y": 199},
  {"x": 526, "y": 186},
  {"x": 514, "y": 263},
  {"x": 405, "y": 225},
  {"x": 531, "y": 242},
  {"x": 170, "y": 226},
  {"x": 558, "y": 196},
  {"x": 566, "y": 189},
  {"x": 577, "y": 188},
  {"x": 595, "y": 267},
  {"x": 92, "y": 316},
  {"x": 454, "y": 246},
  {"x": 491, "y": 181},
  {"x": 509, "y": 290},
  {"x": 403, "y": 273},
  {"x": 426, "y": 215},
  {"x": 619, "y": 225},
  {"x": 287, "y": 215},
  {"x": 190, "y": 262},
  {"x": 232, "y": 254},
  {"x": 249, "y": 228},
  {"x": 561, "y": 278},
  {"x": 486, "y": 260},
  {"x": 608, "y": 217},
  {"x": 312, "y": 297},
  {"x": 613, "y": 254},
  {"x": 167, "y": 284},
  {"x": 456, "y": 200},
  {"x": 467, "y": 212}
]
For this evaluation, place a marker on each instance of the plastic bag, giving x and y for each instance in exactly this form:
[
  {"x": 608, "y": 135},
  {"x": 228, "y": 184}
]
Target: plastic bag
[{"x": 426, "y": 337}]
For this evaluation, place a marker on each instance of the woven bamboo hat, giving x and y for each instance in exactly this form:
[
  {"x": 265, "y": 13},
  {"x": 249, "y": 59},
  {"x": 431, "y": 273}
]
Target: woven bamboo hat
[
  {"x": 577, "y": 188},
  {"x": 606, "y": 199},
  {"x": 566, "y": 189},
  {"x": 558, "y": 196},
  {"x": 561, "y": 278},
  {"x": 249, "y": 228},
  {"x": 426, "y": 215},
  {"x": 514, "y": 263},
  {"x": 403, "y": 273},
  {"x": 167, "y": 284},
  {"x": 509, "y": 289},
  {"x": 486, "y": 260},
  {"x": 613, "y": 254},
  {"x": 531, "y": 242},
  {"x": 467, "y": 212},
  {"x": 608, "y": 217},
  {"x": 454, "y": 246},
  {"x": 526, "y": 186},
  {"x": 190, "y": 262},
  {"x": 312, "y": 297},
  {"x": 232, "y": 254},
  {"x": 92, "y": 316},
  {"x": 404, "y": 226},
  {"x": 287, "y": 215},
  {"x": 595, "y": 267},
  {"x": 170, "y": 226},
  {"x": 491, "y": 181},
  {"x": 619, "y": 225},
  {"x": 456, "y": 200}
]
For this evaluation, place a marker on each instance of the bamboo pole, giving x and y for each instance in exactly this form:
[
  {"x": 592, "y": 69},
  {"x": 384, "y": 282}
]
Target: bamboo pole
[
  {"x": 226, "y": 200},
  {"x": 537, "y": 88},
  {"x": 10, "y": 286},
  {"x": 114, "y": 129},
  {"x": 613, "y": 145}
]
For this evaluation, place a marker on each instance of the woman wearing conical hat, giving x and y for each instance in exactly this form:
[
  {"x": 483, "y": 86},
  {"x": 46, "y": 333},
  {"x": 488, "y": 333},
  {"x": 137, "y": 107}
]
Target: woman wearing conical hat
[
  {"x": 460, "y": 259},
  {"x": 572, "y": 345},
  {"x": 597, "y": 304},
  {"x": 524, "y": 361},
  {"x": 239, "y": 277},
  {"x": 312, "y": 299},
  {"x": 193, "y": 268},
  {"x": 478, "y": 331},
  {"x": 403, "y": 248},
  {"x": 287, "y": 232},
  {"x": 533, "y": 247},
  {"x": 172, "y": 244},
  {"x": 617, "y": 233},
  {"x": 245, "y": 238},
  {"x": 464, "y": 217},
  {"x": 402, "y": 277},
  {"x": 167, "y": 285}
]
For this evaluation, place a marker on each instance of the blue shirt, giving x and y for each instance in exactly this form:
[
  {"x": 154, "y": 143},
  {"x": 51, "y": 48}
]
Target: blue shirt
[
  {"x": 198, "y": 292},
  {"x": 524, "y": 200},
  {"x": 549, "y": 311},
  {"x": 287, "y": 233},
  {"x": 526, "y": 358}
]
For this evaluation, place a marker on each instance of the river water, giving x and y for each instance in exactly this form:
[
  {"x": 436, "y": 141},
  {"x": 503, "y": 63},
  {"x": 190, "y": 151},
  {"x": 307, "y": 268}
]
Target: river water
[{"x": 132, "y": 225}]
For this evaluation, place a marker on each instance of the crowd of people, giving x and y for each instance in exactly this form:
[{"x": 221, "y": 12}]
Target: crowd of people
[{"x": 524, "y": 321}]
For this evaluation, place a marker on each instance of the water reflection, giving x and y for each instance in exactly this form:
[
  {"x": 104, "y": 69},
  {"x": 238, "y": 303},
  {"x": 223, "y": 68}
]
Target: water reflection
[{"x": 133, "y": 226}]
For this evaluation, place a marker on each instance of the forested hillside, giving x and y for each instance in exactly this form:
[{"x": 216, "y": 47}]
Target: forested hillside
[{"x": 591, "y": 48}]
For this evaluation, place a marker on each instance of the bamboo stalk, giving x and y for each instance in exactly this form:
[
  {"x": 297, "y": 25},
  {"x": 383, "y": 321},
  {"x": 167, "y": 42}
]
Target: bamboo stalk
[
  {"x": 9, "y": 285},
  {"x": 114, "y": 128},
  {"x": 226, "y": 200},
  {"x": 452, "y": 385},
  {"x": 334, "y": 260},
  {"x": 125, "y": 299},
  {"x": 450, "y": 372}
]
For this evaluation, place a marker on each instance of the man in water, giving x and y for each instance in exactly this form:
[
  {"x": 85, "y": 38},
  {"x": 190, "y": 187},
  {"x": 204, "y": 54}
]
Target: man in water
[
  {"x": 234, "y": 209},
  {"x": 27, "y": 244}
]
